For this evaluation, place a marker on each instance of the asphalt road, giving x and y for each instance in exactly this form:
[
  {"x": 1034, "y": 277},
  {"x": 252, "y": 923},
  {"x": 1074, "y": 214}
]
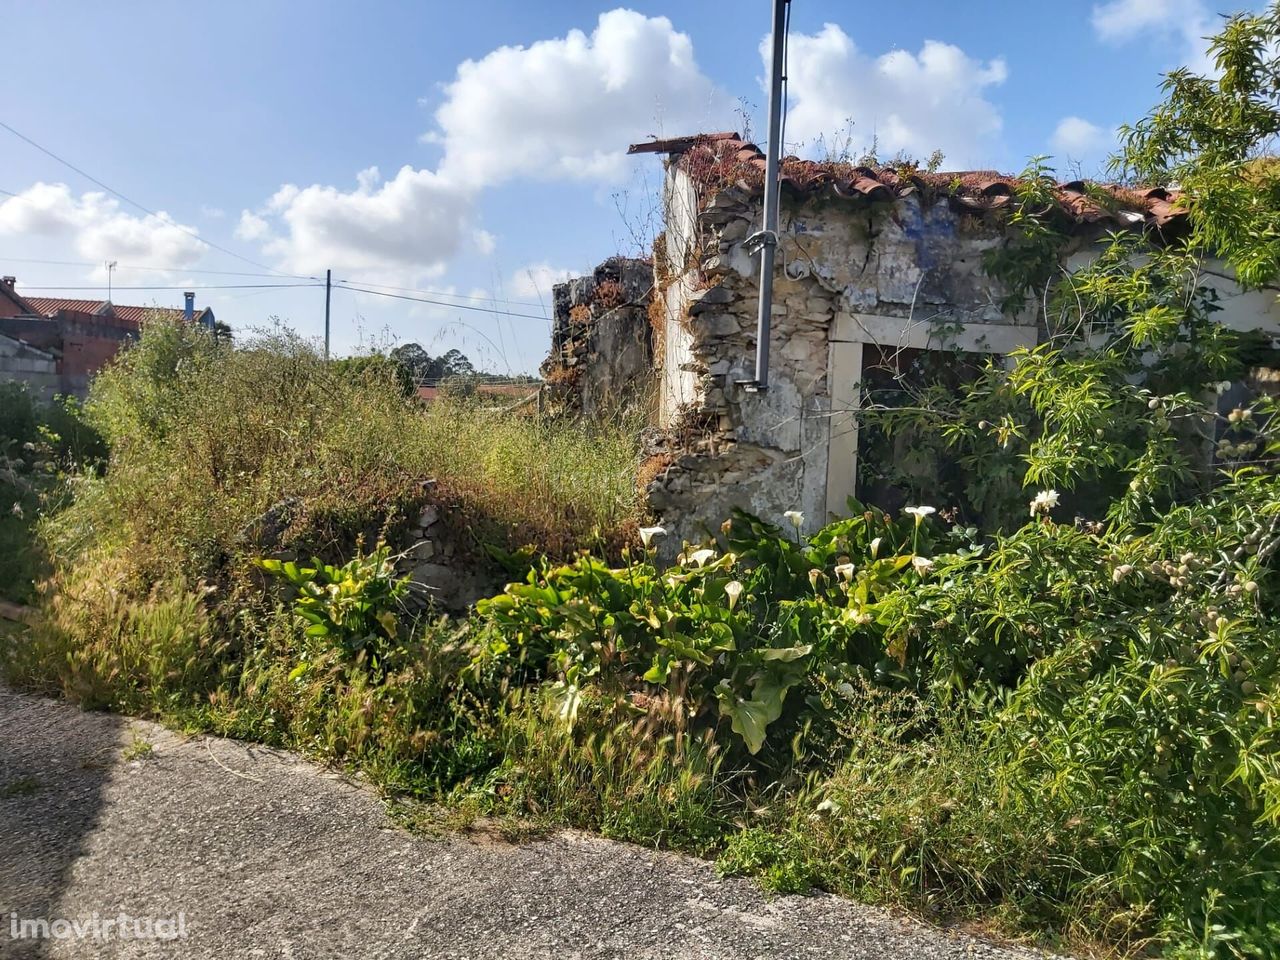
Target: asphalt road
[{"x": 231, "y": 850}]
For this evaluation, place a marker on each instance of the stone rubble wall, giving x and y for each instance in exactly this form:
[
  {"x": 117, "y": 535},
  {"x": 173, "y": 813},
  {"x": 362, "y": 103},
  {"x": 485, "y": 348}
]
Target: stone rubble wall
[
  {"x": 442, "y": 571},
  {"x": 767, "y": 453},
  {"x": 601, "y": 356}
]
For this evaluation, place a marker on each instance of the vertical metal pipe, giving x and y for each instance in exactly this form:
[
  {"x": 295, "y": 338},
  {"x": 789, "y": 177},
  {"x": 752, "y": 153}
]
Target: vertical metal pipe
[
  {"x": 768, "y": 237},
  {"x": 328, "y": 289}
]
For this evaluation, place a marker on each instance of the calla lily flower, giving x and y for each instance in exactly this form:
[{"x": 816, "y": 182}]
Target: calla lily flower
[
  {"x": 921, "y": 565},
  {"x": 700, "y": 558},
  {"x": 648, "y": 533},
  {"x": 733, "y": 590},
  {"x": 796, "y": 518}
]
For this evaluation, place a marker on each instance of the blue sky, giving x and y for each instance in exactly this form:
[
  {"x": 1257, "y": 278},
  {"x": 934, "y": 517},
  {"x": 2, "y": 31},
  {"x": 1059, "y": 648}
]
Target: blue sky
[{"x": 497, "y": 131}]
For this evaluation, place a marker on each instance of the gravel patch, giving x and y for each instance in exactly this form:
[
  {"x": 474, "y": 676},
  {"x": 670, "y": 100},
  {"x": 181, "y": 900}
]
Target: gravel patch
[{"x": 267, "y": 855}]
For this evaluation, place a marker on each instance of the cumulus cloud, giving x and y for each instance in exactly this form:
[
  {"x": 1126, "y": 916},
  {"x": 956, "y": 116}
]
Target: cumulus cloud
[
  {"x": 1075, "y": 138},
  {"x": 565, "y": 108},
  {"x": 914, "y": 102},
  {"x": 1186, "y": 21},
  {"x": 410, "y": 225},
  {"x": 568, "y": 108},
  {"x": 97, "y": 227},
  {"x": 537, "y": 279},
  {"x": 252, "y": 227}
]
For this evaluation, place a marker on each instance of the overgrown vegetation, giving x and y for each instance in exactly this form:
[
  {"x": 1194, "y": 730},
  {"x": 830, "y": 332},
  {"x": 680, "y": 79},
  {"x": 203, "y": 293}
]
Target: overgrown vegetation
[
  {"x": 1054, "y": 711},
  {"x": 41, "y": 443}
]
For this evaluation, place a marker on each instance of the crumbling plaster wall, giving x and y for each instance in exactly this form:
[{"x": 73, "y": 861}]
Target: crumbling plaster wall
[{"x": 768, "y": 453}]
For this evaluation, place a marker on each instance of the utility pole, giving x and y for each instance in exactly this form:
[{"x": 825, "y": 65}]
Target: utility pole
[
  {"x": 111, "y": 265},
  {"x": 766, "y": 241},
  {"x": 328, "y": 289}
]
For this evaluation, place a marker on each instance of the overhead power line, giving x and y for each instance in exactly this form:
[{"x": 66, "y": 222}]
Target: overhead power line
[
  {"x": 267, "y": 276},
  {"x": 444, "y": 293},
  {"x": 216, "y": 286},
  {"x": 147, "y": 210},
  {"x": 344, "y": 285}
]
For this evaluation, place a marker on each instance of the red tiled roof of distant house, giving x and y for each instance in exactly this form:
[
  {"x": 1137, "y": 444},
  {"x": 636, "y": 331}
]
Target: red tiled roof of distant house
[{"x": 47, "y": 306}]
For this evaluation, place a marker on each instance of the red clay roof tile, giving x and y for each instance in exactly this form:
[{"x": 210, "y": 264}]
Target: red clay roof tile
[{"x": 722, "y": 160}]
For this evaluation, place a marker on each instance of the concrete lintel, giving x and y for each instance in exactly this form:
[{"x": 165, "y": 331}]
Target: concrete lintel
[{"x": 901, "y": 333}]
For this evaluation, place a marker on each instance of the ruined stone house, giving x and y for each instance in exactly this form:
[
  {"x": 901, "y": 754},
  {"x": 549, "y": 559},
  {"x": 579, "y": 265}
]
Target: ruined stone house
[
  {"x": 870, "y": 262},
  {"x": 601, "y": 358}
]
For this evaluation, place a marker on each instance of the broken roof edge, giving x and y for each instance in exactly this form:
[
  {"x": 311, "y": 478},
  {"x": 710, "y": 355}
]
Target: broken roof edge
[
  {"x": 725, "y": 160},
  {"x": 680, "y": 144}
]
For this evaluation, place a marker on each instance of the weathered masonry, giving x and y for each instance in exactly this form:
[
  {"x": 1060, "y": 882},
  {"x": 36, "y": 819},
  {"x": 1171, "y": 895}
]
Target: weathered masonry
[{"x": 869, "y": 262}]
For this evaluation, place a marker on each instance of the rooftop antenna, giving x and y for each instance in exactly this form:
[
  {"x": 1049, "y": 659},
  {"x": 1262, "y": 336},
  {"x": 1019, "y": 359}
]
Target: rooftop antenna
[
  {"x": 111, "y": 265},
  {"x": 766, "y": 241}
]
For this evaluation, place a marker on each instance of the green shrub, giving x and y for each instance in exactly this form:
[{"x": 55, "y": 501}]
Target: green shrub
[
  {"x": 205, "y": 439},
  {"x": 41, "y": 443},
  {"x": 354, "y": 607}
]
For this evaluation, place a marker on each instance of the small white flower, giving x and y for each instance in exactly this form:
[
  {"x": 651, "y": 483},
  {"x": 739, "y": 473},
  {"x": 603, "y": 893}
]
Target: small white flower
[
  {"x": 17, "y": 510},
  {"x": 700, "y": 558},
  {"x": 1222, "y": 387},
  {"x": 1121, "y": 572},
  {"x": 829, "y": 806},
  {"x": 648, "y": 533},
  {"x": 921, "y": 565},
  {"x": 796, "y": 518},
  {"x": 1044, "y": 501},
  {"x": 919, "y": 512},
  {"x": 875, "y": 547},
  {"x": 733, "y": 590},
  {"x": 28, "y": 446},
  {"x": 844, "y": 571}
]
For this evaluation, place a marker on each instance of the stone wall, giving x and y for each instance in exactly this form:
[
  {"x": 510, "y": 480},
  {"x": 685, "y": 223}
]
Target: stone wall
[
  {"x": 601, "y": 356},
  {"x": 852, "y": 274},
  {"x": 768, "y": 452},
  {"x": 38, "y": 369},
  {"x": 443, "y": 567}
]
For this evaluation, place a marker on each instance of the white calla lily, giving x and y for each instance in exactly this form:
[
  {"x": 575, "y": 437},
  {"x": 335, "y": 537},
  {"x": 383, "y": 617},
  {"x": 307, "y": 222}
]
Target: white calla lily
[
  {"x": 733, "y": 590},
  {"x": 648, "y": 533}
]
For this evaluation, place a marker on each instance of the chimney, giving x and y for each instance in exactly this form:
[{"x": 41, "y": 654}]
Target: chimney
[
  {"x": 8, "y": 282},
  {"x": 189, "y": 310}
]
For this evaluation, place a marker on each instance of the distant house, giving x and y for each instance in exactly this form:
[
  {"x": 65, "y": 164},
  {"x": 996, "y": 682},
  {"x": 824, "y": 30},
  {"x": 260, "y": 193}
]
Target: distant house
[
  {"x": 491, "y": 392},
  {"x": 80, "y": 336}
]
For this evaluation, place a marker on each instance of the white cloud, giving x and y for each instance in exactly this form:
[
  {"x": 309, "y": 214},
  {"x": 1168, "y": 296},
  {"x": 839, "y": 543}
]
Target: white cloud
[
  {"x": 252, "y": 227},
  {"x": 1186, "y": 21},
  {"x": 98, "y": 229},
  {"x": 562, "y": 108},
  {"x": 537, "y": 279},
  {"x": 569, "y": 107},
  {"x": 410, "y": 225},
  {"x": 934, "y": 99},
  {"x": 1076, "y": 138}
]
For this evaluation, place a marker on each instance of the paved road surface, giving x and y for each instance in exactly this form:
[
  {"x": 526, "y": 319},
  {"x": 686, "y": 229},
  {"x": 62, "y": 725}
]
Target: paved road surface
[{"x": 266, "y": 855}]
